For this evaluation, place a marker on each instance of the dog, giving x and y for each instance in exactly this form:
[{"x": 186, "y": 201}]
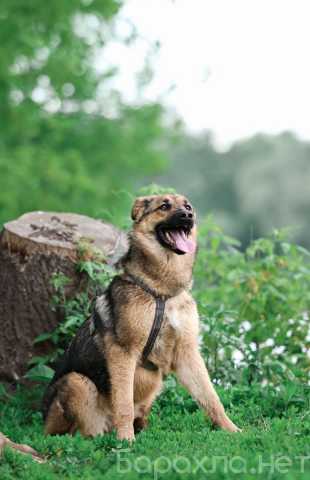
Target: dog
[{"x": 144, "y": 327}]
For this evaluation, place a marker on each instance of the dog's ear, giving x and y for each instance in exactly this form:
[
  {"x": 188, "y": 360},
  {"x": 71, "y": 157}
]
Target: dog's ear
[{"x": 140, "y": 207}]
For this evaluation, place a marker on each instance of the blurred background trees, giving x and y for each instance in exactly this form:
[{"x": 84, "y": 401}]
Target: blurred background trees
[
  {"x": 258, "y": 184},
  {"x": 69, "y": 141}
]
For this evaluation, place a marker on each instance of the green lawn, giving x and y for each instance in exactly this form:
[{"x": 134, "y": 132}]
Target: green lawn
[{"x": 179, "y": 443}]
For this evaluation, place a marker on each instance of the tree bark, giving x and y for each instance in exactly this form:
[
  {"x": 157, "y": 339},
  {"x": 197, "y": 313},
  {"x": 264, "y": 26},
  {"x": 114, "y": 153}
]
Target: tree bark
[{"x": 32, "y": 249}]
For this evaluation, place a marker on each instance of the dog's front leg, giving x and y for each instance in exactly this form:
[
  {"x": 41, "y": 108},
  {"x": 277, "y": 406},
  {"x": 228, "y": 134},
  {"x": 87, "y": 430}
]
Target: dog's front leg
[
  {"x": 122, "y": 365},
  {"x": 193, "y": 374}
]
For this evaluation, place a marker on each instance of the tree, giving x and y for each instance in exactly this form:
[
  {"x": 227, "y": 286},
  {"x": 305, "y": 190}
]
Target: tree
[
  {"x": 258, "y": 184},
  {"x": 68, "y": 141}
]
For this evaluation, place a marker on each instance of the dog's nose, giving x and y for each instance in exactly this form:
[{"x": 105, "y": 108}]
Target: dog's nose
[{"x": 186, "y": 214}]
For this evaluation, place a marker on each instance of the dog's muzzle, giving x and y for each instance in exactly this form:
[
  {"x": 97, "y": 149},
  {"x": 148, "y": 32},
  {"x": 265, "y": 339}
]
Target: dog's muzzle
[{"x": 174, "y": 233}]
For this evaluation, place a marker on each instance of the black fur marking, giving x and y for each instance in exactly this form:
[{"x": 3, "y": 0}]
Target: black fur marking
[
  {"x": 83, "y": 356},
  {"x": 110, "y": 301}
]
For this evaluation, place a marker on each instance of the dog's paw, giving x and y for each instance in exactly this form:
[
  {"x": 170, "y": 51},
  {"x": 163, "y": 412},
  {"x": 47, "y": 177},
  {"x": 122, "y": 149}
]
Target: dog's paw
[
  {"x": 232, "y": 428},
  {"x": 126, "y": 434},
  {"x": 223, "y": 421},
  {"x": 229, "y": 426}
]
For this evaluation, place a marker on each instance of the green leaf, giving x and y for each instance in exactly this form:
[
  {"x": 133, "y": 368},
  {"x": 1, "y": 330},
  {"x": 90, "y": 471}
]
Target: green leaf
[
  {"x": 3, "y": 392},
  {"x": 40, "y": 373},
  {"x": 43, "y": 337}
]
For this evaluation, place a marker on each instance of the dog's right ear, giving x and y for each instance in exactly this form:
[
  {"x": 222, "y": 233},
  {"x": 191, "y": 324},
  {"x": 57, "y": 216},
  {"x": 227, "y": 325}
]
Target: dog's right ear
[{"x": 141, "y": 207}]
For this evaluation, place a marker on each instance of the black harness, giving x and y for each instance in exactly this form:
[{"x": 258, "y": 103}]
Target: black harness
[
  {"x": 160, "y": 301},
  {"x": 158, "y": 318}
]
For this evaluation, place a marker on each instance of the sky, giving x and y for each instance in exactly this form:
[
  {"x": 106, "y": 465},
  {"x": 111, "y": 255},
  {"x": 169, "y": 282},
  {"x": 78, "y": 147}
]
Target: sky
[{"x": 235, "y": 67}]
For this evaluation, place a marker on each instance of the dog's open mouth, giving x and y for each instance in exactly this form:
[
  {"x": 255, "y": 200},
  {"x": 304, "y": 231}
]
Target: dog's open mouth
[{"x": 176, "y": 238}]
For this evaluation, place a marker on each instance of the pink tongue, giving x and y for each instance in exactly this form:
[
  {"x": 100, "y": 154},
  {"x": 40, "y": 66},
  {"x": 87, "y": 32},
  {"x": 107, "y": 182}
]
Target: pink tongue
[{"x": 182, "y": 242}]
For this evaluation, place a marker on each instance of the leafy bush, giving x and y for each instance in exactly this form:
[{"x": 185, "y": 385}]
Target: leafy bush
[{"x": 254, "y": 307}]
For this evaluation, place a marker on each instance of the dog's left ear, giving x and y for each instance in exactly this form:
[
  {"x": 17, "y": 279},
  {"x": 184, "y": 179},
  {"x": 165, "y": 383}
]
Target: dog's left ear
[{"x": 140, "y": 207}]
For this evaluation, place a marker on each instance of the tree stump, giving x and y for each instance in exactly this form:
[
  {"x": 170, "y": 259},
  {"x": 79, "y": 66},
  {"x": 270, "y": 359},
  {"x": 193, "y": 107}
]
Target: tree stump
[{"x": 32, "y": 249}]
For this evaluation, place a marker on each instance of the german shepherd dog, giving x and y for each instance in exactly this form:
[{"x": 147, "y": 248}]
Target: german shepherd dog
[{"x": 143, "y": 327}]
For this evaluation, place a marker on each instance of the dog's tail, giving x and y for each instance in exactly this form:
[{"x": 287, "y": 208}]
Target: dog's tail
[
  {"x": 62, "y": 367},
  {"x": 48, "y": 398}
]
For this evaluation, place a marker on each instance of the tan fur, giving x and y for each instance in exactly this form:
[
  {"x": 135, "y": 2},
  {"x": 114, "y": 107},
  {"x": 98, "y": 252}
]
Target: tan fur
[{"x": 133, "y": 388}]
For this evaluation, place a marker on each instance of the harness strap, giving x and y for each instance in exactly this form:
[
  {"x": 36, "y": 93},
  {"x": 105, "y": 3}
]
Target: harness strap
[
  {"x": 159, "y": 314},
  {"x": 157, "y": 323},
  {"x": 158, "y": 320},
  {"x": 136, "y": 280}
]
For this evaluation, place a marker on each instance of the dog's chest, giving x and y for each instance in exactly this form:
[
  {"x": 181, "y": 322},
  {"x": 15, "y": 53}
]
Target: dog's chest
[
  {"x": 180, "y": 319},
  {"x": 180, "y": 316},
  {"x": 174, "y": 317}
]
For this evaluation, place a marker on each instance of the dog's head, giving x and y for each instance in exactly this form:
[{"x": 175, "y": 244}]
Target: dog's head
[{"x": 170, "y": 219}]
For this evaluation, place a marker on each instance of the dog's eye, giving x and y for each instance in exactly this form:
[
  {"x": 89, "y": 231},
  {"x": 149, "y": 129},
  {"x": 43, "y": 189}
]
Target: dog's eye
[
  {"x": 188, "y": 207},
  {"x": 165, "y": 206}
]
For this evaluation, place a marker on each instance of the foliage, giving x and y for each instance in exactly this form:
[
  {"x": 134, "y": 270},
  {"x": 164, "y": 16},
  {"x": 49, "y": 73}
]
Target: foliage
[
  {"x": 67, "y": 138},
  {"x": 275, "y": 434},
  {"x": 155, "y": 189},
  {"x": 254, "y": 307}
]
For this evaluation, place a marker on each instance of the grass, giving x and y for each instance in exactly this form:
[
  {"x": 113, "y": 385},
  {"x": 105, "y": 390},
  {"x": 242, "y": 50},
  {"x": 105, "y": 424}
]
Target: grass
[{"x": 179, "y": 443}]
